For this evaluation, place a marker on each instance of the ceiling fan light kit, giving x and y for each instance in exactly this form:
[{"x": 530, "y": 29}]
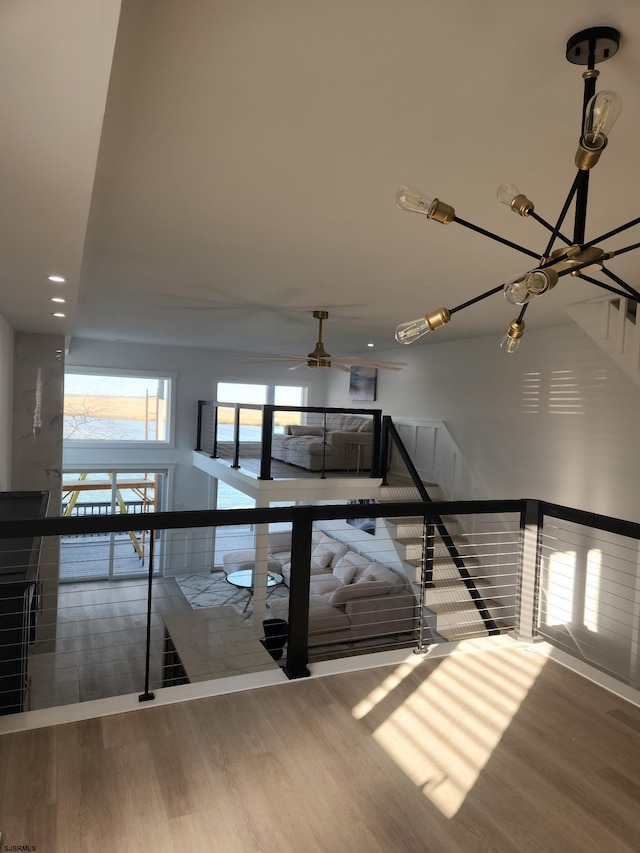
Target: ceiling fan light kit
[
  {"x": 576, "y": 257},
  {"x": 319, "y": 357}
]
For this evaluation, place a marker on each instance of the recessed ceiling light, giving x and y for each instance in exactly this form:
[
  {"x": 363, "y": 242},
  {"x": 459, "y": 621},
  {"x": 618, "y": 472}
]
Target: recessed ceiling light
[
  {"x": 59, "y": 314},
  {"x": 56, "y": 278},
  {"x": 58, "y": 299},
  {"x": 370, "y": 345}
]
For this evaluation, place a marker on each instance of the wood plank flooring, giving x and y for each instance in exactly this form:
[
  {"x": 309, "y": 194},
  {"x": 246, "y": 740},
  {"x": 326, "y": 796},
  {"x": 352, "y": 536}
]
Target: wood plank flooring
[
  {"x": 490, "y": 751},
  {"x": 101, "y": 641}
]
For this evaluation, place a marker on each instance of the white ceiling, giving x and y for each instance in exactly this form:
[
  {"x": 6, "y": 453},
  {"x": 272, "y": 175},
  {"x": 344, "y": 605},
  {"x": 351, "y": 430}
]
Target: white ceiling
[{"x": 245, "y": 167}]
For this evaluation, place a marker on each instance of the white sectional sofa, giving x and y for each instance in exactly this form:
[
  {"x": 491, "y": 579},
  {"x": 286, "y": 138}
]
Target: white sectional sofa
[
  {"x": 351, "y": 597},
  {"x": 345, "y": 444}
]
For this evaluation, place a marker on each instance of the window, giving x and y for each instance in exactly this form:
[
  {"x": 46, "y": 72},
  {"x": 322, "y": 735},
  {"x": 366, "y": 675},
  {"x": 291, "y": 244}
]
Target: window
[
  {"x": 250, "y": 420},
  {"x": 110, "y": 556},
  {"x": 116, "y": 407},
  {"x": 280, "y": 395}
]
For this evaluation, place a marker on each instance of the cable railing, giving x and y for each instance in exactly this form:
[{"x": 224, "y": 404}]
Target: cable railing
[
  {"x": 318, "y": 440},
  {"x": 301, "y": 584},
  {"x": 435, "y": 532},
  {"x": 589, "y": 589}
]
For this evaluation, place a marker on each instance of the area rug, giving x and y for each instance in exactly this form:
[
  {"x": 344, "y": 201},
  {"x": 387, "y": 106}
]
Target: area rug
[{"x": 212, "y": 590}]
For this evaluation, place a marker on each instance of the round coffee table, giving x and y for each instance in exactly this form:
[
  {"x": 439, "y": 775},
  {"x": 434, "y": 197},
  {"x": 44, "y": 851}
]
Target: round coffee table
[{"x": 244, "y": 580}]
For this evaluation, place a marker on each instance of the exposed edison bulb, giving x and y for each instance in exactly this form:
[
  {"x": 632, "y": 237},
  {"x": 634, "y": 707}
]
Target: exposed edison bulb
[
  {"x": 600, "y": 115},
  {"x": 513, "y": 335},
  {"x": 520, "y": 290},
  {"x": 515, "y": 291},
  {"x": 510, "y": 195},
  {"x": 407, "y": 333},
  {"x": 506, "y": 193},
  {"x": 413, "y": 200}
]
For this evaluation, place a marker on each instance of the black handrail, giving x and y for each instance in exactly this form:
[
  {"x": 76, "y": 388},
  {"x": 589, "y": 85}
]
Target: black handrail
[
  {"x": 301, "y": 518},
  {"x": 268, "y": 411},
  {"x": 388, "y": 428}
]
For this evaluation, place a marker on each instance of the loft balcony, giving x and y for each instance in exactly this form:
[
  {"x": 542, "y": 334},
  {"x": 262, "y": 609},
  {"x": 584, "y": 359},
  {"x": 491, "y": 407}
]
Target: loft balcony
[{"x": 277, "y": 453}]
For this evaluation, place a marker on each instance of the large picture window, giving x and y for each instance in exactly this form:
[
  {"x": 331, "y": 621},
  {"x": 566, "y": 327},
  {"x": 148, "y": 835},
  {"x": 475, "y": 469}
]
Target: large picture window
[
  {"x": 116, "y": 407},
  {"x": 250, "y": 420}
]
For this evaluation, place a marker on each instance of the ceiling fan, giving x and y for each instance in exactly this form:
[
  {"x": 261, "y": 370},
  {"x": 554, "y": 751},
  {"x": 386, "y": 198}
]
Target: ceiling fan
[{"x": 320, "y": 358}]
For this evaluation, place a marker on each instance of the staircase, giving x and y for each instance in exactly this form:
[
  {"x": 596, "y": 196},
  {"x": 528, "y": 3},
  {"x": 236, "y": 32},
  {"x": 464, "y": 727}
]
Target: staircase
[
  {"x": 450, "y": 612},
  {"x": 612, "y": 324}
]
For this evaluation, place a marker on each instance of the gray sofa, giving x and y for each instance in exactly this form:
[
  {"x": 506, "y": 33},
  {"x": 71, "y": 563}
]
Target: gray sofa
[
  {"x": 351, "y": 597},
  {"x": 345, "y": 444}
]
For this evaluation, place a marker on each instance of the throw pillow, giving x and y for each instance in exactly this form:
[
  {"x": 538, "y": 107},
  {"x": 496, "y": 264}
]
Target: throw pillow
[
  {"x": 344, "y": 570},
  {"x": 304, "y": 430},
  {"x": 370, "y": 589}
]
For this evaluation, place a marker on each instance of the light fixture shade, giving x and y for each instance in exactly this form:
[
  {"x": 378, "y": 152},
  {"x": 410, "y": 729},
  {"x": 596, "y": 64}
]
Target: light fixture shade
[
  {"x": 407, "y": 333},
  {"x": 600, "y": 115},
  {"x": 413, "y": 200}
]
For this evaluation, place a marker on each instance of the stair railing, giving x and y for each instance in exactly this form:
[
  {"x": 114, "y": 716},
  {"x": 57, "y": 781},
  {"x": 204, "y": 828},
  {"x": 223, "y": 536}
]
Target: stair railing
[{"x": 390, "y": 435}]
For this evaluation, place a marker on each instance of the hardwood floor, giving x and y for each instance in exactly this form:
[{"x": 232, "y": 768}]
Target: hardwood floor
[
  {"x": 489, "y": 751},
  {"x": 101, "y": 641}
]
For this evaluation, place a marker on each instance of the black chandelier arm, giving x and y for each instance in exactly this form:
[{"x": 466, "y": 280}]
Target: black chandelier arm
[
  {"x": 582, "y": 197},
  {"x": 477, "y": 299},
  {"x": 522, "y": 312},
  {"x": 580, "y": 218},
  {"x": 548, "y": 226},
  {"x": 615, "y": 231},
  {"x": 632, "y": 291},
  {"x": 608, "y": 287},
  {"x": 616, "y": 252},
  {"x": 495, "y": 237},
  {"x": 556, "y": 231}
]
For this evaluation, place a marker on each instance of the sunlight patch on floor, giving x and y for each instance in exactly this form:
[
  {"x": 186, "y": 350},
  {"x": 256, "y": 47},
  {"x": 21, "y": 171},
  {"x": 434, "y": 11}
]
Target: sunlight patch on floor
[{"x": 444, "y": 732}]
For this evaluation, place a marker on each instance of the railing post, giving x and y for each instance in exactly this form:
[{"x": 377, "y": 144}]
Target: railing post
[
  {"x": 267, "y": 433},
  {"x": 147, "y": 695},
  {"x": 214, "y": 452},
  {"x": 426, "y": 576},
  {"x": 199, "y": 428},
  {"x": 531, "y": 523},
  {"x": 236, "y": 437},
  {"x": 299, "y": 586},
  {"x": 323, "y": 475},
  {"x": 429, "y": 534},
  {"x": 384, "y": 449},
  {"x": 375, "y": 447}
]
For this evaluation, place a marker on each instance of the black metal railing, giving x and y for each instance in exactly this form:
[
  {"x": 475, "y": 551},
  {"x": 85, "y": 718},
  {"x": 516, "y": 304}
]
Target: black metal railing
[
  {"x": 576, "y": 586},
  {"x": 265, "y": 432},
  {"x": 391, "y": 437}
]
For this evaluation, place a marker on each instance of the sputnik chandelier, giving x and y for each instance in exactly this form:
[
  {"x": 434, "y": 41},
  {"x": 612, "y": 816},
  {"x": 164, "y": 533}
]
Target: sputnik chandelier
[{"x": 576, "y": 257}]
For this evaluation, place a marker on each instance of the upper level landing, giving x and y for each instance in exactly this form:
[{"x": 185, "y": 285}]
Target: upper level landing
[{"x": 290, "y": 483}]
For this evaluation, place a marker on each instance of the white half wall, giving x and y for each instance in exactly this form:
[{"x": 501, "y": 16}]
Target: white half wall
[{"x": 558, "y": 420}]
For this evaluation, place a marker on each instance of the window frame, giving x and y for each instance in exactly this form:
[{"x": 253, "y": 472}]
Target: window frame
[{"x": 127, "y": 373}]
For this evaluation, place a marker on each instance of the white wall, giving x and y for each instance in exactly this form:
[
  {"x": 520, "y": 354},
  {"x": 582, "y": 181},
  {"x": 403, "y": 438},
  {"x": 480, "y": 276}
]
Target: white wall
[
  {"x": 198, "y": 371},
  {"x": 6, "y": 402},
  {"x": 557, "y": 421}
]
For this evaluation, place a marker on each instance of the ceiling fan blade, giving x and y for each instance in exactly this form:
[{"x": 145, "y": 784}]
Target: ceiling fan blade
[
  {"x": 323, "y": 359},
  {"x": 384, "y": 365},
  {"x": 259, "y": 359}
]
